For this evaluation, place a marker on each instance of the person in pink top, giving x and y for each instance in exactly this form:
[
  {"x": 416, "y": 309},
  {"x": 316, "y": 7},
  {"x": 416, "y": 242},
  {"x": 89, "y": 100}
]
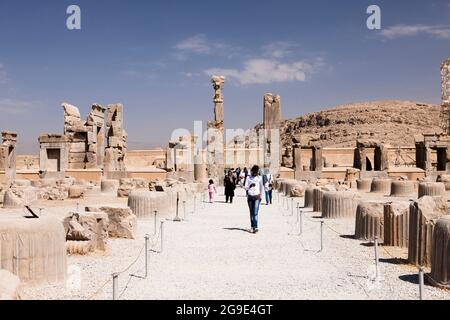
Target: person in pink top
[{"x": 211, "y": 190}]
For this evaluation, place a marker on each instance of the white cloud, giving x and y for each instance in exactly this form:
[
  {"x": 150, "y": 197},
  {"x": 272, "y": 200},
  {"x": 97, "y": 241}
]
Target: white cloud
[
  {"x": 264, "y": 71},
  {"x": 14, "y": 106},
  {"x": 197, "y": 44},
  {"x": 397, "y": 31},
  {"x": 279, "y": 49}
]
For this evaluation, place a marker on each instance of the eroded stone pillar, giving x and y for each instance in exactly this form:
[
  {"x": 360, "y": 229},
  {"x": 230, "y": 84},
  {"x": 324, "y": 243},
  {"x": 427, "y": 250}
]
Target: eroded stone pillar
[
  {"x": 272, "y": 121},
  {"x": 8, "y": 154},
  {"x": 445, "y": 90},
  {"x": 215, "y": 133},
  {"x": 116, "y": 138}
]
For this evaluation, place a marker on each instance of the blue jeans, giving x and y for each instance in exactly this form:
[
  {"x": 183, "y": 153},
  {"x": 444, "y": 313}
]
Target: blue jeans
[
  {"x": 253, "y": 205},
  {"x": 269, "y": 197}
]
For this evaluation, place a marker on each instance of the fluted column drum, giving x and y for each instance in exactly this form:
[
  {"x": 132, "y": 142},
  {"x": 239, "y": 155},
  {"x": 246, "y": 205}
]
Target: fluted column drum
[
  {"x": 423, "y": 216},
  {"x": 396, "y": 224},
  {"x": 403, "y": 188},
  {"x": 382, "y": 186},
  {"x": 33, "y": 249},
  {"x": 440, "y": 255},
  {"x": 369, "y": 221},
  {"x": 431, "y": 189},
  {"x": 338, "y": 204},
  {"x": 364, "y": 185}
]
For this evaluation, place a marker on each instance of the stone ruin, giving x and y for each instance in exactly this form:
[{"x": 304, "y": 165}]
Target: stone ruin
[
  {"x": 33, "y": 249},
  {"x": 89, "y": 231},
  {"x": 116, "y": 137},
  {"x": 445, "y": 90},
  {"x": 436, "y": 145},
  {"x": 216, "y": 131},
  {"x": 182, "y": 157},
  {"x": 8, "y": 154},
  {"x": 82, "y": 145},
  {"x": 272, "y": 120},
  {"x": 86, "y": 138}
]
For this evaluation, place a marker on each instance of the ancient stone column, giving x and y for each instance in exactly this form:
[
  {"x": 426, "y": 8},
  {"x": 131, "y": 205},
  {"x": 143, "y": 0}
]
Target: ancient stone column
[
  {"x": 382, "y": 186},
  {"x": 318, "y": 193},
  {"x": 271, "y": 124},
  {"x": 309, "y": 197},
  {"x": 403, "y": 188},
  {"x": 338, "y": 204},
  {"x": 200, "y": 170},
  {"x": 33, "y": 249},
  {"x": 440, "y": 264},
  {"x": 396, "y": 224},
  {"x": 363, "y": 185},
  {"x": 431, "y": 189},
  {"x": 369, "y": 221},
  {"x": 445, "y": 90},
  {"x": 215, "y": 133},
  {"x": 424, "y": 214}
]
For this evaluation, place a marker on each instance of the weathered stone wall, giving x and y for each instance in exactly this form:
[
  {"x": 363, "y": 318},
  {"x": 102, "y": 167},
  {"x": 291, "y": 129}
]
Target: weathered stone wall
[
  {"x": 8, "y": 154},
  {"x": 116, "y": 138}
]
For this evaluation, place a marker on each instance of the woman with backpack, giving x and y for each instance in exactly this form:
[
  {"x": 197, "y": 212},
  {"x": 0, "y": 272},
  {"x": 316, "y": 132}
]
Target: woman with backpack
[{"x": 255, "y": 189}]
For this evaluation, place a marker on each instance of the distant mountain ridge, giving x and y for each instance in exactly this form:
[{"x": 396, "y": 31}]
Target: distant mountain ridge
[{"x": 393, "y": 122}]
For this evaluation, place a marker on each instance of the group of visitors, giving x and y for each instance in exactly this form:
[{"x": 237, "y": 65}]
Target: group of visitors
[{"x": 256, "y": 184}]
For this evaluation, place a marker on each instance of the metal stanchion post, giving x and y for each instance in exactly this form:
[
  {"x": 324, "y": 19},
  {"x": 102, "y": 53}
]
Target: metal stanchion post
[
  {"x": 184, "y": 209},
  {"x": 177, "y": 218},
  {"x": 115, "y": 285},
  {"x": 376, "y": 257},
  {"x": 161, "y": 235},
  {"x": 321, "y": 236},
  {"x": 203, "y": 200},
  {"x": 301, "y": 222},
  {"x": 292, "y": 206},
  {"x": 195, "y": 200},
  {"x": 421, "y": 282},
  {"x": 154, "y": 221},
  {"x": 146, "y": 255}
]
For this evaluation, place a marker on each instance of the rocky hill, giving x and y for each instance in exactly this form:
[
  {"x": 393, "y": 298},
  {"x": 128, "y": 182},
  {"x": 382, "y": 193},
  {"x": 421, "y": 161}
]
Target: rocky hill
[{"x": 392, "y": 122}]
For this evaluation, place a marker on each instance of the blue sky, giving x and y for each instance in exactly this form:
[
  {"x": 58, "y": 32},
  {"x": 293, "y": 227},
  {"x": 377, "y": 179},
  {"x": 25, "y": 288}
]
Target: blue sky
[{"x": 156, "y": 58}]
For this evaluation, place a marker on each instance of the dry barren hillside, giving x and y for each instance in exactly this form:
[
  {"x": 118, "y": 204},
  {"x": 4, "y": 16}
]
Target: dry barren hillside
[{"x": 393, "y": 122}]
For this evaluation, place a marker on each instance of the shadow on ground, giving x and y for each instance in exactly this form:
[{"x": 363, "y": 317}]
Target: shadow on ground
[{"x": 238, "y": 229}]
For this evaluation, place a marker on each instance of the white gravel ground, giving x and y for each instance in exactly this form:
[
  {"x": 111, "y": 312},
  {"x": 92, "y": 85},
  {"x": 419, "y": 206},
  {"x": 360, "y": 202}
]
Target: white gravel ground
[{"x": 211, "y": 255}]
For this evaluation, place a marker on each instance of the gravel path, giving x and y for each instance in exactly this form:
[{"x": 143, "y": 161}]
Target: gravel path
[{"x": 211, "y": 255}]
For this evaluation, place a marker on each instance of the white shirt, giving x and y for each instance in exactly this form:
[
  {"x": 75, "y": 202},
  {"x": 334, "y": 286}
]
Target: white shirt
[{"x": 258, "y": 189}]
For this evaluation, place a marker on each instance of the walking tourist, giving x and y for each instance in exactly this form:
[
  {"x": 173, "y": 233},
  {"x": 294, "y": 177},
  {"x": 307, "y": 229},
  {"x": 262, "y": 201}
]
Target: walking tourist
[{"x": 255, "y": 188}]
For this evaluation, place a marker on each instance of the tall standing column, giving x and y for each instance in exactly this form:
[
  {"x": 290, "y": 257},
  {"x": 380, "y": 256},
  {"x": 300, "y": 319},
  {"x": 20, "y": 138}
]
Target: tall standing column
[
  {"x": 272, "y": 121},
  {"x": 445, "y": 89},
  {"x": 215, "y": 143}
]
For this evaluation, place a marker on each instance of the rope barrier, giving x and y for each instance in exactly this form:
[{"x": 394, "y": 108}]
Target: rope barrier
[
  {"x": 154, "y": 241},
  {"x": 92, "y": 296}
]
